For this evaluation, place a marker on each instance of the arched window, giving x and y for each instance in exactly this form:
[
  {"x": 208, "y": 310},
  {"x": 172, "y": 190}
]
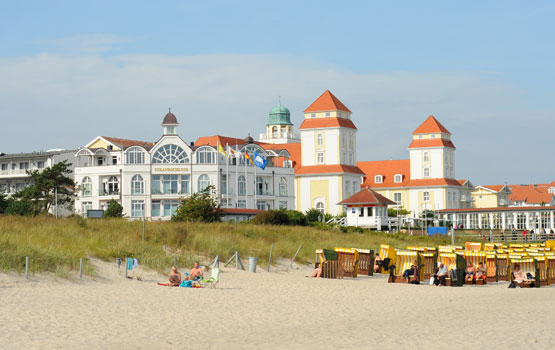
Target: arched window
[
  {"x": 137, "y": 185},
  {"x": 274, "y": 132},
  {"x": 242, "y": 184},
  {"x": 320, "y": 207},
  {"x": 170, "y": 154},
  {"x": 135, "y": 155},
  {"x": 398, "y": 178},
  {"x": 283, "y": 187},
  {"x": 205, "y": 155},
  {"x": 203, "y": 182},
  {"x": 113, "y": 185},
  {"x": 320, "y": 139},
  {"x": 86, "y": 184},
  {"x": 378, "y": 179}
]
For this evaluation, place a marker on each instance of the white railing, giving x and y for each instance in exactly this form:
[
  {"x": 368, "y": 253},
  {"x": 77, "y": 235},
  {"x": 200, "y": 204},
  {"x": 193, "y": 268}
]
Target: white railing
[{"x": 340, "y": 221}]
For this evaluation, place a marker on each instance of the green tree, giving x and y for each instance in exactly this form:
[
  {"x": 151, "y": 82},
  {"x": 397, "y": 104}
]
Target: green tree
[
  {"x": 313, "y": 215},
  {"x": 392, "y": 212},
  {"x": 41, "y": 194},
  {"x": 200, "y": 207},
  {"x": 3, "y": 203},
  {"x": 272, "y": 217},
  {"x": 113, "y": 210},
  {"x": 21, "y": 207}
]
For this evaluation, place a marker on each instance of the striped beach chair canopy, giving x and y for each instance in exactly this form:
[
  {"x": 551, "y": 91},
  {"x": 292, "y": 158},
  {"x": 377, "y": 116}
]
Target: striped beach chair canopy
[
  {"x": 476, "y": 257},
  {"x": 404, "y": 259},
  {"x": 527, "y": 265},
  {"x": 449, "y": 260}
]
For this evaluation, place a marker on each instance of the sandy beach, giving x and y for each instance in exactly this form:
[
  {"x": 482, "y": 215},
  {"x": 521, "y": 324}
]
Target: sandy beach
[{"x": 278, "y": 310}]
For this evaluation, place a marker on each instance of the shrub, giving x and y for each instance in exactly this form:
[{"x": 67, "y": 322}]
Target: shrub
[
  {"x": 19, "y": 207},
  {"x": 313, "y": 215},
  {"x": 272, "y": 217},
  {"x": 296, "y": 218},
  {"x": 200, "y": 207},
  {"x": 113, "y": 210}
]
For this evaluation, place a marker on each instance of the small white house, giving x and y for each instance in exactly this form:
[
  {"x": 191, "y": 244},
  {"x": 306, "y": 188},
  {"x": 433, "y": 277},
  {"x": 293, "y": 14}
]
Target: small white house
[{"x": 367, "y": 208}]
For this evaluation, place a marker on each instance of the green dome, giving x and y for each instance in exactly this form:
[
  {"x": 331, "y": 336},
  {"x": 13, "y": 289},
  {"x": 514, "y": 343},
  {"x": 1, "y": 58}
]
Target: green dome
[{"x": 280, "y": 115}]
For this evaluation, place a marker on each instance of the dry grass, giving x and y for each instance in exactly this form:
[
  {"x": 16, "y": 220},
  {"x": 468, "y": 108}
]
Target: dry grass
[{"x": 57, "y": 245}]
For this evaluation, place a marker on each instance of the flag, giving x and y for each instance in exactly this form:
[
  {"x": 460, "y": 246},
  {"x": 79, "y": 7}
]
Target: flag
[
  {"x": 259, "y": 161},
  {"x": 230, "y": 151},
  {"x": 247, "y": 157},
  {"x": 221, "y": 150}
]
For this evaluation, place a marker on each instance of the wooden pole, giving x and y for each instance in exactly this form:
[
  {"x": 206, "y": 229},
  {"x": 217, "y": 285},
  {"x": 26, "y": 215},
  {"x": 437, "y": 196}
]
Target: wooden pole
[
  {"x": 125, "y": 268},
  {"x": 270, "y": 259},
  {"x": 236, "y": 260},
  {"x": 175, "y": 261},
  {"x": 239, "y": 262},
  {"x": 81, "y": 268},
  {"x": 143, "y": 229},
  {"x": 293, "y": 260},
  {"x": 230, "y": 259},
  {"x": 26, "y": 267}
]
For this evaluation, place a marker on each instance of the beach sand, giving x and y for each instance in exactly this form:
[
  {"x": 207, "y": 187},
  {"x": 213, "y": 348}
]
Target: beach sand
[{"x": 278, "y": 310}]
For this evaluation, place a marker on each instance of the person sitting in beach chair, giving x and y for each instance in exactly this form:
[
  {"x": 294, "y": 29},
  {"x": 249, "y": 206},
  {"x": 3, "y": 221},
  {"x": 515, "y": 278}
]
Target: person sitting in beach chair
[
  {"x": 519, "y": 275},
  {"x": 441, "y": 276},
  {"x": 469, "y": 272},
  {"x": 377, "y": 263},
  {"x": 411, "y": 271},
  {"x": 196, "y": 273},
  {"x": 175, "y": 277},
  {"x": 317, "y": 271},
  {"x": 480, "y": 272}
]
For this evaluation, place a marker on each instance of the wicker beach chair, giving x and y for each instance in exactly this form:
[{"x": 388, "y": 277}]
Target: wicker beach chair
[
  {"x": 387, "y": 252},
  {"x": 403, "y": 261},
  {"x": 454, "y": 262},
  {"x": 348, "y": 261},
  {"x": 476, "y": 257},
  {"x": 328, "y": 260},
  {"x": 365, "y": 262},
  {"x": 527, "y": 265}
]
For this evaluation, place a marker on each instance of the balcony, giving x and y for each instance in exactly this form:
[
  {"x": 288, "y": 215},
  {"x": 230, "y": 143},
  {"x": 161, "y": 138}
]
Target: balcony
[
  {"x": 466, "y": 198},
  {"x": 109, "y": 193},
  {"x": 504, "y": 202},
  {"x": 14, "y": 172},
  {"x": 282, "y": 135}
]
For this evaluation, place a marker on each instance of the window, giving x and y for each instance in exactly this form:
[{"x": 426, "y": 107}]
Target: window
[
  {"x": 85, "y": 207},
  {"x": 137, "y": 209},
  {"x": 283, "y": 187},
  {"x": 259, "y": 186},
  {"x": 241, "y": 203},
  {"x": 170, "y": 207},
  {"x": 134, "y": 155},
  {"x": 320, "y": 139},
  {"x": 274, "y": 132},
  {"x": 24, "y": 165},
  {"x": 426, "y": 172},
  {"x": 224, "y": 184},
  {"x": 242, "y": 186},
  {"x": 19, "y": 186},
  {"x": 361, "y": 212},
  {"x": 551, "y": 190},
  {"x": 398, "y": 178},
  {"x": 320, "y": 207},
  {"x": 114, "y": 160},
  {"x": 320, "y": 157},
  {"x": 40, "y": 164},
  {"x": 170, "y": 154},
  {"x": 348, "y": 187},
  {"x": 283, "y": 205},
  {"x": 185, "y": 184},
  {"x": 155, "y": 209},
  {"x": 205, "y": 155},
  {"x": 156, "y": 189},
  {"x": 433, "y": 136},
  {"x": 350, "y": 157},
  {"x": 169, "y": 184},
  {"x": 420, "y": 136},
  {"x": 378, "y": 179},
  {"x": 328, "y": 114},
  {"x": 5, "y": 166},
  {"x": 113, "y": 186},
  {"x": 426, "y": 156},
  {"x": 426, "y": 196},
  {"x": 3, "y": 188},
  {"x": 137, "y": 185},
  {"x": 203, "y": 182},
  {"x": 397, "y": 197},
  {"x": 355, "y": 187},
  {"x": 86, "y": 187},
  {"x": 313, "y": 115},
  {"x": 261, "y": 205}
]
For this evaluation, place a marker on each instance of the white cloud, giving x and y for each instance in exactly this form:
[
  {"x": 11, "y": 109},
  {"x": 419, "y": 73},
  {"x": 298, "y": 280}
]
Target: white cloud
[{"x": 64, "y": 100}]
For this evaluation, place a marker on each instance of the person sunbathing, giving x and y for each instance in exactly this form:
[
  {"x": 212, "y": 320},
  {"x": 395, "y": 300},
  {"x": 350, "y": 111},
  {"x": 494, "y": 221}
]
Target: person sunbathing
[
  {"x": 377, "y": 263},
  {"x": 317, "y": 271},
  {"x": 518, "y": 275},
  {"x": 410, "y": 271},
  {"x": 196, "y": 273},
  {"x": 480, "y": 272},
  {"x": 175, "y": 277},
  {"x": 470, "y": 272}
]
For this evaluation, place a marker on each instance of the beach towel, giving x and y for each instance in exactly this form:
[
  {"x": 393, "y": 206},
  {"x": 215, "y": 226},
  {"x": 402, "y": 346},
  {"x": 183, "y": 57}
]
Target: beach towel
[
  {"x": 186, "y": 284},
  {"x": 129, "y": 264},
  {"x": 164, "y": 284},
  {"x": 135, "y": 263}
]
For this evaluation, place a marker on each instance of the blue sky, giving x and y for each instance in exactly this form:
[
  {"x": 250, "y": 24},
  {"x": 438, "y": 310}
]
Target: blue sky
[{"x": 484, "y": 69}]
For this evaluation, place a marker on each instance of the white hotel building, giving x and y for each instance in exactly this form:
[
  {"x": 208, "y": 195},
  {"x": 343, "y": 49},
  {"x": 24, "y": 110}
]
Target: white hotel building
[{"x": 148, "y": 179}]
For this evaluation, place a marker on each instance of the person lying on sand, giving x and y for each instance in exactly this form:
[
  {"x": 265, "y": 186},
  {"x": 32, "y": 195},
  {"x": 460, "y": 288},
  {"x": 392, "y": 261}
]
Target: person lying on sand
[
  {"x": 196, "y": 273},
  {"x": 469, "y": 276},
  {"x": 377, "y": 263},
  {"x": 481, "y": 272},
  {"x": 175, "y": 277}
]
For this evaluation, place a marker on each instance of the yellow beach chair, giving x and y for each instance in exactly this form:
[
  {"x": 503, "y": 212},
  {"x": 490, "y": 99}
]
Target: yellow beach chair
[
  {"x": 476, "y": 257},
  {"x": 403, "y": 261},
  {"x": 327, "y": 259},
  {"x": 365, "y": 261},
  {"x": 455, "y": 262},
  {"x": 387, "y": 252},
  {"x": 527, "y": 265},
  {"x": 473, "y": 246}
]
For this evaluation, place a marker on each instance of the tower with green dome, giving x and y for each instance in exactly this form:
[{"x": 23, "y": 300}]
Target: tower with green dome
[{"x": 279, "y": 128}]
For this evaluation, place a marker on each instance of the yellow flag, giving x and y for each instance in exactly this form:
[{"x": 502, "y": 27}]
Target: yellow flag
[{"x": 221, "y": 150}]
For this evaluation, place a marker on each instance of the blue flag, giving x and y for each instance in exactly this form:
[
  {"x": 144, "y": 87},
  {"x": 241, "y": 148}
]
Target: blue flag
[{"x": 259, "y": 161}]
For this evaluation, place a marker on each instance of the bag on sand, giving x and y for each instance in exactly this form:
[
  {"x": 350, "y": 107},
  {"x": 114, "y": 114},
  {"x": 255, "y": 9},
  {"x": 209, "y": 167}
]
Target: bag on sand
[{"x": 432, "y": 280}]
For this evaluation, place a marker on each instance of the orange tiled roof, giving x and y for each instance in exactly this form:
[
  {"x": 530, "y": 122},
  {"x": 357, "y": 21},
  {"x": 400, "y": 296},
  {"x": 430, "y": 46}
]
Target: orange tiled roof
[
  {"x": 495, "y": 188},
  {"x": 126, "y": 143},
  {"x": 223, "y": 140},
  {"x": 332, "y": 169},
  {"x": 424, "y": 143},
  {"x": 367, "y": 196},
  {"x": 318, "y": 123},
  {"x": 431, "y": 125},
  {"x": 433, "y": 182},
  {"x": 530, "y": 194},
  {"x": 388, "y": 169},
  {"x": 327, "y": 102}
]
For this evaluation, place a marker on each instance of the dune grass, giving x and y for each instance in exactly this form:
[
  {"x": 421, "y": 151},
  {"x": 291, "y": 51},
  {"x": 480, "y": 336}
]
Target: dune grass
[{"x": 57, "y": 245}]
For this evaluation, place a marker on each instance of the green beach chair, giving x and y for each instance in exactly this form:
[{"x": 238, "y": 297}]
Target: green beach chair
[{"x": 213, "y": 280}]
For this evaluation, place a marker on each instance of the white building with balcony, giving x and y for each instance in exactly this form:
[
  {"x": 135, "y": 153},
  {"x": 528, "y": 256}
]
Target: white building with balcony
[
  {"x": 149, "y": 178},
  {"x": 14, "y": 167}
]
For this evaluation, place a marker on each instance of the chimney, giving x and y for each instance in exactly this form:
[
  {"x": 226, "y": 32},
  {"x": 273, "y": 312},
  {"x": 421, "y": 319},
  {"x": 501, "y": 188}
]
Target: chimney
[{"x": 192, "y": 144}]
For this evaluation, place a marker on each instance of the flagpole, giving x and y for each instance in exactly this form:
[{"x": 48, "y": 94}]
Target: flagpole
[
  {"x": 246, "y": 182},
  {"x": 255, "y": 188},
  {"x": 218, "y": 172},
  {"x": 227, "y": 182},
  {"x": 236, "y": 178}
]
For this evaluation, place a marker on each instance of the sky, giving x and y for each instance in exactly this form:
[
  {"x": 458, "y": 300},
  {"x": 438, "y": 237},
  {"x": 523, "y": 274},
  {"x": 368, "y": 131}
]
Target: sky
[{"x": 70, "y": 71}]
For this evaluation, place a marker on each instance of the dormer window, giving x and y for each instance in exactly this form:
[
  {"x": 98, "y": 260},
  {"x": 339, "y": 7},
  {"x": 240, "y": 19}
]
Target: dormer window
[
  {"x": 328, "y": 114},
  {"x": 551, "y": 190},
  {"x": 313, "y": 115},
  {"x": 398, "y": 178},
  {"x": 433, "y": 136},
  {"x": 378, "y": 179},
  {"x": 420, "y": 136}
]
